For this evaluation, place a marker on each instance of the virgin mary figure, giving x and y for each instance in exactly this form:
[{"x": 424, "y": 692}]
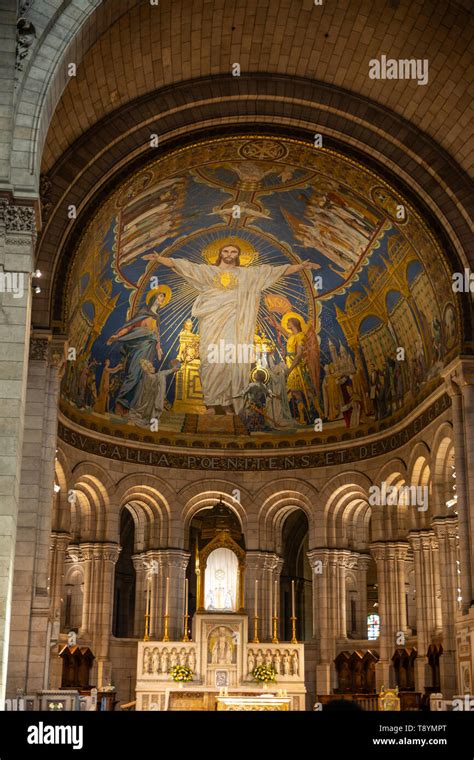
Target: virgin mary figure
[{"x": 139, "y": 339}]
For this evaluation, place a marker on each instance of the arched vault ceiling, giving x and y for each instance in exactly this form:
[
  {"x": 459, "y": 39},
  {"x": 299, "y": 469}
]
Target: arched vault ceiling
[{"x": 150, "y": 47}]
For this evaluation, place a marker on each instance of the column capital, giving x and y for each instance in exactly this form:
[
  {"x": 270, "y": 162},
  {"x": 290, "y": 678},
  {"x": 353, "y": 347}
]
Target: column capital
[
  {"x": 258, "y": 560},
  {"x": 168, "y": 557},
  {"x": 458, "y": 374},
  {"x": 325, "y": 555},
  {"x": 49, "y": 347},
  {"x": 423, "y": 539},
  {"x": 363, "y": 562},
  {"x": 138, "y": 562},
  {"x": 391, "y": 550},
  {"x": 100, "y": 551},
  {"x": 446, "y": 527},
  {"x": 255, "y": 560},
  {"x": 75, "y": 553},
  {"x": 60, "y": 541}
]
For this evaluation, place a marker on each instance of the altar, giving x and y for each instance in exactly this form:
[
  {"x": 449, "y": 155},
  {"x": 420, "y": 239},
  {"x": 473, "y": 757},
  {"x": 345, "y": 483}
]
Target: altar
[{"x": 222, "y": 661}]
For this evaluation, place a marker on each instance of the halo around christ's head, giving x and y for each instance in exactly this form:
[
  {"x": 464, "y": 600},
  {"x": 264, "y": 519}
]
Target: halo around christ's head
[{"x": 248, "y": 254}]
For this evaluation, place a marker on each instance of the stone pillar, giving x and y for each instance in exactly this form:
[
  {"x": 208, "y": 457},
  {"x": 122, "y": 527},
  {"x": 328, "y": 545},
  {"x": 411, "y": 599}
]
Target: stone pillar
[
  {"x": 105, "y": 559},
  {"x": 172, "y": 564},
  {"x": 17, "y": 240},
  {"x": 140, "y": 596},
  {"x": 426, "y": 562},
  {"x": 264, "y": 567},
  {"x": 446, "y": 530},
  {"x": 31, "y": 625},
  {"x": 87, "y": 560},
  {"x": 361, "y": 567},
  {"x": 390, "y": 558},
  {"x": 99, "y": 560},
  {"x": 329, "y": 611},
  {"x": 59, "y": 544},
  {"x": 459, "y": 378}
]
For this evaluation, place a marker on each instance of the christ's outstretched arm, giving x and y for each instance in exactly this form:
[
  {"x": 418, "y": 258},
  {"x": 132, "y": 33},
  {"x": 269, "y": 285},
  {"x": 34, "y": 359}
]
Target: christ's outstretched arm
[
  {"x": 166, "y": 262},
  {"x": 293, "y": 268}
]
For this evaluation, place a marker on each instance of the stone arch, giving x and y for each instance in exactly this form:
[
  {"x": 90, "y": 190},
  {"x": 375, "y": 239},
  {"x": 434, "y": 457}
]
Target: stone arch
[
  {"x": 278, "y": 500},
  {"x": 343, "y": 495},
  {"x": 62, "y": 36},
  {"x": 94, "y": 483},
  {"x": 391, "y": 521},
  {"x": 149, "y": 500},
  {"x": 442, "y": 469},
  {"x": 206, "y": 493}
]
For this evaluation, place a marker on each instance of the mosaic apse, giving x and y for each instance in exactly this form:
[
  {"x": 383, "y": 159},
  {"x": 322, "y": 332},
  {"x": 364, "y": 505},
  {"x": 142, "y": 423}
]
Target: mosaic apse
[{"x": 254, "y": 292}]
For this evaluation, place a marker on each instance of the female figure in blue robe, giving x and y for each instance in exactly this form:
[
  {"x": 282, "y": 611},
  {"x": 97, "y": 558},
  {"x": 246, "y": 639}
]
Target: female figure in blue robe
[{"x": 139, "y": 339}]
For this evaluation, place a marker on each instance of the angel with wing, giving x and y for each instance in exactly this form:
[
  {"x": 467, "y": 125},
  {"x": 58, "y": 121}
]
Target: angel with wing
[{"x": 302, "y": 362}]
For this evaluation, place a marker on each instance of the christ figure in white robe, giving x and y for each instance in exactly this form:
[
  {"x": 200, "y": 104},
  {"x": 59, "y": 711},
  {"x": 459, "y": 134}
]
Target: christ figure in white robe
[{"x": 226, "y": 308}]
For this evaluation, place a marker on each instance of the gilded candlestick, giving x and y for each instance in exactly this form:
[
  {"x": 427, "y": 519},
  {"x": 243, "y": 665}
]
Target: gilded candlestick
[
  {"x": 185, "y": 635},
  {"x": 275, "y": 631},
  {"x": 256, "y": 640},
  {"x": 293, "y": 630},
  {"x": 165, "y": 633},
  {"x": 146, "y": 637}
]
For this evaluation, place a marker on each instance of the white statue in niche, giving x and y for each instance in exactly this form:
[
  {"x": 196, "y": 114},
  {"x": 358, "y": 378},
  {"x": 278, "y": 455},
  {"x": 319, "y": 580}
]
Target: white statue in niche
[
  {"x": 155, "y": 661},
  {"x": 192, "y": 660},
  {"x": 221, "y": 647},
  {"x": 286, "y": 663},
  {"x": 220, "y": 580},
  {"x": 250, "y": 661},
  {"x": 165, "y": 661},
  {"x": 294, "y": 663},
  {"x": 147, "y": 660},
  {"x": 182, "y": 657}
]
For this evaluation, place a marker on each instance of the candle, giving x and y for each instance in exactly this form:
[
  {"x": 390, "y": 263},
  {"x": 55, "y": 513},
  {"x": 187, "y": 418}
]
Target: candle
[
  {"x": 185, "y": 596},
  {"x": 149, "y": 602},
  {"x": 147, "y": 596},
  {"x": 293, "y": 599},
  {"x": 167, "y": 595},
  {"x": 256, "y": 598},
  {"x": 276, "y": 598}
]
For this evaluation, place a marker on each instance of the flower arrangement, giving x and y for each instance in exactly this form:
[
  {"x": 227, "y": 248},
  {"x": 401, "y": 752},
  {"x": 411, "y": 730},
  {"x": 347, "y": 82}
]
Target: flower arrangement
[
  {"x": 181, "y": 673},
  {"x": 264, "y": 673}
]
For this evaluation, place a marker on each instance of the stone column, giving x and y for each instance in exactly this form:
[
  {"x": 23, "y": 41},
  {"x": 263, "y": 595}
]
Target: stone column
[
  {"x": 446, "y": 531},
  {"x": 426, "y": 562},
  {"x": 266, "y": 568},
  {"x": 390, "y": 558},
  {"x": 31, "y": 626},
  {"x": 172, "y": 564},
  {"x": 87, "y": 559},
  {"x": 99, "y": 560},
  {"x": 329, "y": 611},
  {"x": 17, "y": 241},
  {"x": 140, "y": 596},
  {"x": 459, "y": 378},
  {"x": 361, "y": 567},
  {"x": 58, "y": 546}
]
